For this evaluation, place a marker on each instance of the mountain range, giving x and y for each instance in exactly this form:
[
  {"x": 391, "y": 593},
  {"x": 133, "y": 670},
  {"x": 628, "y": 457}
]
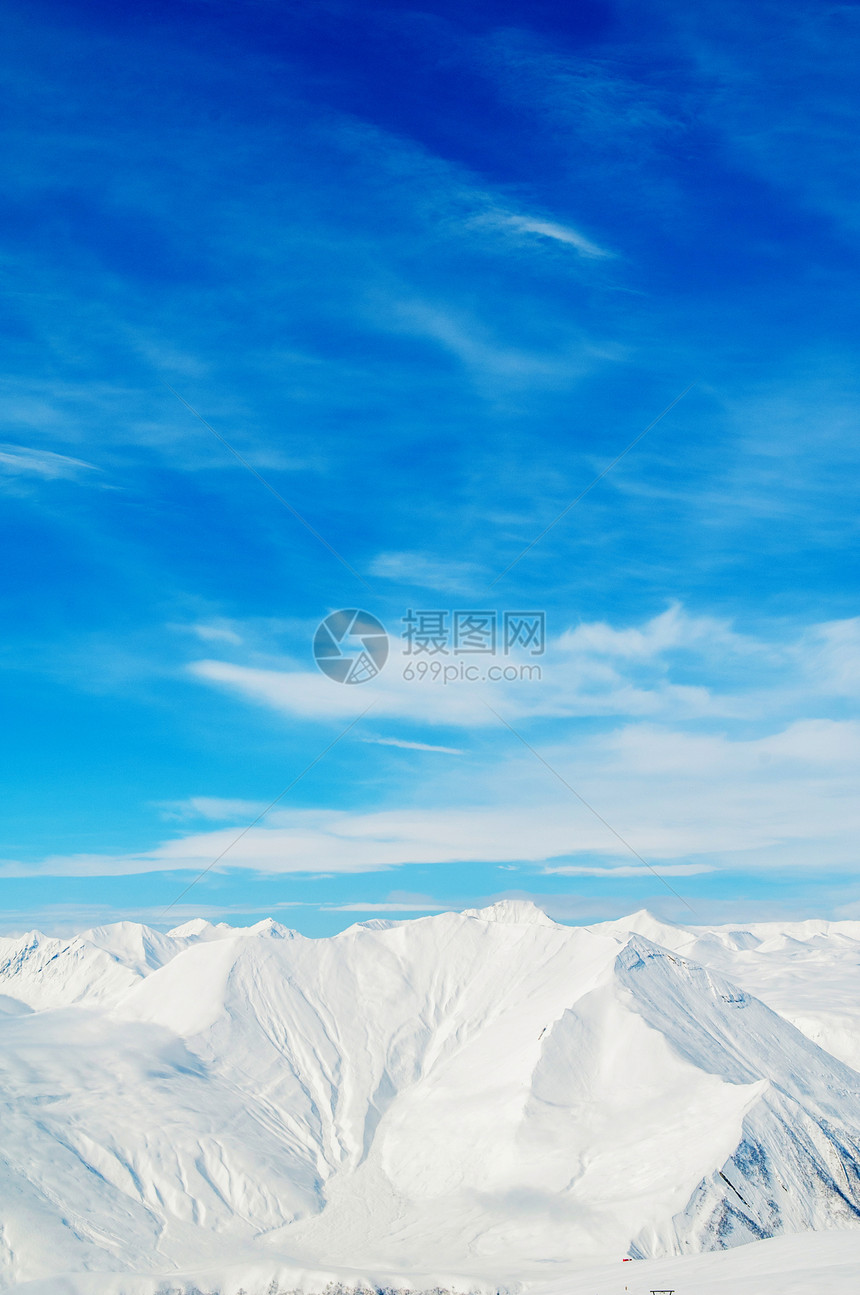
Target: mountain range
[{"x": 482, "y": 1100}]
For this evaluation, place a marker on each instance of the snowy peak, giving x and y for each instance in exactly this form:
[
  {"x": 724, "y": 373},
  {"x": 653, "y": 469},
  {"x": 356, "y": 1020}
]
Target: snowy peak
[
  {"x": 511, "y": 912},
  {"x": 720, "y": 1028},
  {"x": 802, "y": 1118},
  {"x": 199, "y": 929},
  {"x": 43, "y": 972},
  {"x": 644, "y": 923},
  {"x": 269, "y": 929},
  {"x": 138, "y": 947}
]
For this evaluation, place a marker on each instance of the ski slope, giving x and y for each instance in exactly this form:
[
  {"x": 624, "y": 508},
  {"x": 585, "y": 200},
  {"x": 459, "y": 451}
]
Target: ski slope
[{"x": 472, "y": 1101}]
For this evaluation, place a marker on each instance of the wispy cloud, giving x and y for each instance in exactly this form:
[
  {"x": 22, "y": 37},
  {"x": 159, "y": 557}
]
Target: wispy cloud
[
  {"x": 218, "y": 633},
  {"x": 21, "y": 460},
  {"x": 413, "y": 746},
  {"x": 418, "y": 907},
  {"x": 688, "y": 802},
  {"x": 671, "y": 630},
  {"x": 482, "y": 346},
  {"x": 553, "y": 230},
  {"x": 630, "y": 870},
  {"x": 426, "y": 572},
  {"x": 214, "y": 808},
  {"x": 592, "y": 669}
]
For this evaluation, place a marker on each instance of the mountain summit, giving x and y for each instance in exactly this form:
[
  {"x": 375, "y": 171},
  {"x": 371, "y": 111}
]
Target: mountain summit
[{"x": 513, "y": 912}]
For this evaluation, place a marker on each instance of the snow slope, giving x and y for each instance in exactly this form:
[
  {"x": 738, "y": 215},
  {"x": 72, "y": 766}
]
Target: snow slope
[
  {"x": 470, "y": 1100},
  {"x": 807, "y": 971},
  {"x": 826, "y": 1263}
]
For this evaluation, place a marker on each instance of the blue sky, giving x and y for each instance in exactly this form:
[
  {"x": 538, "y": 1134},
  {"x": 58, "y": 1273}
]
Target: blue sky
[{"x": 429, "y": 270}]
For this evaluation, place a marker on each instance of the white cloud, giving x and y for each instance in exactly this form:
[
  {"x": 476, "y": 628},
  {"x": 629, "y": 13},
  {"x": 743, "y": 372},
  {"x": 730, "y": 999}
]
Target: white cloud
[
  {"x": 498, "y": 366},
  {"x": 673, "y": 668},
  {"x": 582, "y": 673},
  {"x": 413, "y": 746},
  {"x": 385, "y": 908},
  {"x": 213, "y": 807},
  {"x": 692, "y": 781},
  {"x": 686, "y": 803},
  {"x": 632, "y": 870},
  {"x": 21, "y": 460},
  {"x": 426, "y": 572},
  {"x": 829, "y": 657},
  {"x": 553, "y": 230},
  {"x": 802, "y": 748},
  {"x": 672, "y": 629},
  {"x": 310, "y": 695},
  {"x": 214, "y": 633}
]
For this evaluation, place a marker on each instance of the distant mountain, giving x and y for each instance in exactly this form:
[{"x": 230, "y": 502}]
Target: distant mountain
[{"x": 485, "y": 1094}]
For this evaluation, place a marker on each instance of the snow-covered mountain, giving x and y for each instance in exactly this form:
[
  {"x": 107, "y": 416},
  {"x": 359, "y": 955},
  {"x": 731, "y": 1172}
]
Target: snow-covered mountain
[{"x": 470, "y": 1099}]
